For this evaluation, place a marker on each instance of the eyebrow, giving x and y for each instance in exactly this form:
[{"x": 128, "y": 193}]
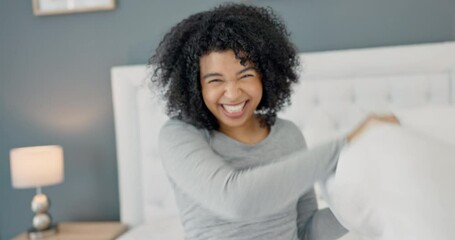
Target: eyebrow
[
  {"x": 245, "y": 69},
  {"x": 219, "y": 75}
]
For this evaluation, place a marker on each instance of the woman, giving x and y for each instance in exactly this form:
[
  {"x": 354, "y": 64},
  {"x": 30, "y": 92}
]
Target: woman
[{"x": 238, "y": 171}]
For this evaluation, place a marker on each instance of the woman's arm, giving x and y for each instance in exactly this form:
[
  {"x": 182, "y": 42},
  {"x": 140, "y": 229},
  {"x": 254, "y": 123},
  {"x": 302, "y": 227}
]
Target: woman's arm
[{"x": 204, "y": 176}]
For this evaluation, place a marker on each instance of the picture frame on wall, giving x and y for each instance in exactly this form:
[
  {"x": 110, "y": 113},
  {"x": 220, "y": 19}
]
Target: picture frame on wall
[{"x": 55, "y": 7}]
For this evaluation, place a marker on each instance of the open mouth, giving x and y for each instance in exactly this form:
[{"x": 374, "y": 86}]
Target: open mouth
[{"x": 234, "y": 110}]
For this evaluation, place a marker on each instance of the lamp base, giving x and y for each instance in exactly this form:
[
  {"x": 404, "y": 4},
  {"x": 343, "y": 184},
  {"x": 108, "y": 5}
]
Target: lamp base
[{"x": 42, "y": 234}]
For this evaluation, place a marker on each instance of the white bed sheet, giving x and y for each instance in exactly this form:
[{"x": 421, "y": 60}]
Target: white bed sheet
[{"x": 168, "y": 228}]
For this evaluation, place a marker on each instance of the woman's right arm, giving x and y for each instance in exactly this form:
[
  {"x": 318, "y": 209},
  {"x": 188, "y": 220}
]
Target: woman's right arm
[{"x": 205, "y": 177}]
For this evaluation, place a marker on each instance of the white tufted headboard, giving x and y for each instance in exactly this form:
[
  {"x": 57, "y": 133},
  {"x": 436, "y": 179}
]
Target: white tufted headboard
[{"x": 337, "y": 89}]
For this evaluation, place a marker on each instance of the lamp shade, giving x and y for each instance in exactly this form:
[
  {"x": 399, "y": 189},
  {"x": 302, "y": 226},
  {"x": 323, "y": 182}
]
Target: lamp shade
[{"x": 36, "y": 166}]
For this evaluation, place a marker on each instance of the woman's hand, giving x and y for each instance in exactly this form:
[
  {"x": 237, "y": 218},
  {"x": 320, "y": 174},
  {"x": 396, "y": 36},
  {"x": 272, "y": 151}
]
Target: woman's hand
[{"x": 372, "y": 120}]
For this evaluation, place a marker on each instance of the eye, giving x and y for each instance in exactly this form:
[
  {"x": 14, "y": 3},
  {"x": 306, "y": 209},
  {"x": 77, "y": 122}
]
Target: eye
[
  {"x": 214, "y": 80},
  {"x": 247, "y": 75}
]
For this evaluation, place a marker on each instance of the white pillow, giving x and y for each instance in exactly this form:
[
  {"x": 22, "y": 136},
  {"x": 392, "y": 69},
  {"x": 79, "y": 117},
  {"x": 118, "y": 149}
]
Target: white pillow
[{"x": 393, "y": 183}]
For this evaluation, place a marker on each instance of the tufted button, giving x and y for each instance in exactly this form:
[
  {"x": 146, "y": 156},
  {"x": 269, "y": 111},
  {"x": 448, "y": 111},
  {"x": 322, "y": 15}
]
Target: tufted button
[
  {"x": 389, "y": 97},
  {"x": 428, "y": 96},
  {"x": 316, "y": 101},
  {"x": 353, "y": 99}
]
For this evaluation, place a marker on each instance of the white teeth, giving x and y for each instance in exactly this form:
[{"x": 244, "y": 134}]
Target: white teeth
[{"x": 234, "y": 108}]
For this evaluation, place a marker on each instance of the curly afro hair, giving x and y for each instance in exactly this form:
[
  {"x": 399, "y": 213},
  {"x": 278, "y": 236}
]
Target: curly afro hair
[{"x": 255, "y": 34}]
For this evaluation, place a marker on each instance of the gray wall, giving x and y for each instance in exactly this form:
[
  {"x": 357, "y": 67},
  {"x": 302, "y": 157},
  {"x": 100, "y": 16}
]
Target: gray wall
[{"x": 55, "y": 86}]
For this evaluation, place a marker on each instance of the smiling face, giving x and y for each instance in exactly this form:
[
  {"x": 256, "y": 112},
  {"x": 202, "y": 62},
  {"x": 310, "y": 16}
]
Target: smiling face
[{"x": 231, "y": 91}]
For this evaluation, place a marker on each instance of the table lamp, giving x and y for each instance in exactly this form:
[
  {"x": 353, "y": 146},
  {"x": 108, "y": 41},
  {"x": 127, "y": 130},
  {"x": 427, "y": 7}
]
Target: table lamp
[{"x": 36, "y": 167}]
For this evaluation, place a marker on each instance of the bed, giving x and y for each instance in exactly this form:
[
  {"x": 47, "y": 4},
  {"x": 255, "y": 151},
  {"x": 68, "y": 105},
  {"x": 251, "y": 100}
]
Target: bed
[{"x": 337, "y": 89}]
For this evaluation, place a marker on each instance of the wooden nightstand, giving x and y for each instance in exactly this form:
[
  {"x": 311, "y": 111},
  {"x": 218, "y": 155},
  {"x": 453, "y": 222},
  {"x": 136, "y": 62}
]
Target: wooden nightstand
[{"x": 85, "y": 231}]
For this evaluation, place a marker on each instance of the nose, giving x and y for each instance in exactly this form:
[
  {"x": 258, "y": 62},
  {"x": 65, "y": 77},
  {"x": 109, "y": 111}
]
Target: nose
[{"x": 232, "y": 91}]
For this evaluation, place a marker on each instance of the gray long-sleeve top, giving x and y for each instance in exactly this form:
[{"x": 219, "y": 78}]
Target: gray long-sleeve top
[{"x": 229, "y": 190}]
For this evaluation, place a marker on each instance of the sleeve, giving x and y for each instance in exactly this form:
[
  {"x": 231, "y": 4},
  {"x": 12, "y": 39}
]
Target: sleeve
[
  {"x": 246, "y": 193},
  {"x": 314, "y": 224}
]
